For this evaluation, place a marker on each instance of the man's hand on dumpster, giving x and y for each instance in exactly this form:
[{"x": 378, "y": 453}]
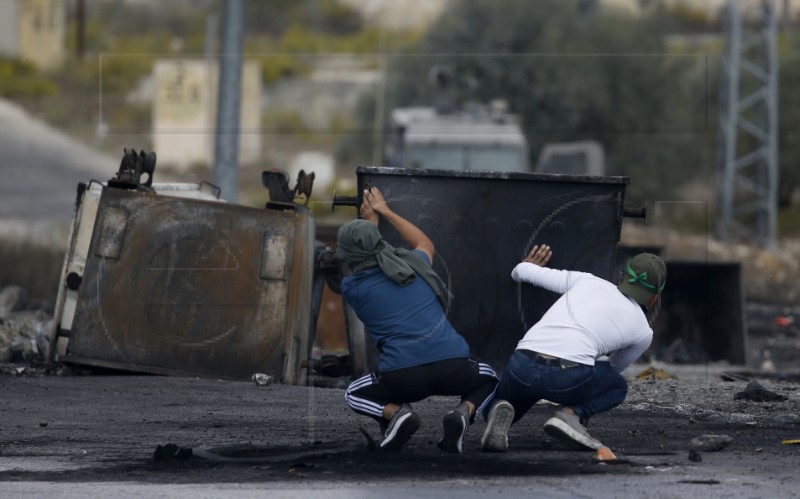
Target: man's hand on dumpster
[
  {"x": 374, "y": 197},
  {"x": 367, "y": 213},
  {"x": 539, "y": 255}
]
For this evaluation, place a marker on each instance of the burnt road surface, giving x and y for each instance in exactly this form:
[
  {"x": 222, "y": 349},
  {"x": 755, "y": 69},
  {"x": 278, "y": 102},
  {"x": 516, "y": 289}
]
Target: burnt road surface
[{"x": 94, "y": 436}]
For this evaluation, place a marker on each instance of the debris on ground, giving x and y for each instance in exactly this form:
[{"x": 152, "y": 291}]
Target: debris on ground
[
  {"x": 261, "y": 379},
  {"x": 605, "y": 454},
  {"x": 767, "y": 365},
  {"x": 794, "y": 441},
  {"x": 754, "y": 392},
  {"x": 695, "y": 456},
  {"x": 22, "y": 370},
  {"x": 12, "y": 299},
  {"x": 24, "y": 326},
  {"x": 711, "y": 442},
  {"x": 171, "y": 452},
  {"x": 651, "y": 373},
  {"x": 733, "y": 377},
  {"x": 67, "y": 370}
]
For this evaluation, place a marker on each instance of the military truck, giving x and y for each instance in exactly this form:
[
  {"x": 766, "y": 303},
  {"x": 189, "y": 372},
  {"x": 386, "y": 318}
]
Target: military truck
[
  {"x": 485, "y": 138},
  {"x": 480, "y": 138}
]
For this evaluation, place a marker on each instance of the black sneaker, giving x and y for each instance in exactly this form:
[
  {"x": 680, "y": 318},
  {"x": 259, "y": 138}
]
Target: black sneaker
[
  {"x": 495, "y": 437},
  {"x": 455, "y": 425},
  {"x": 403, "y": 424},
  {"x": 384, "y": 425}
]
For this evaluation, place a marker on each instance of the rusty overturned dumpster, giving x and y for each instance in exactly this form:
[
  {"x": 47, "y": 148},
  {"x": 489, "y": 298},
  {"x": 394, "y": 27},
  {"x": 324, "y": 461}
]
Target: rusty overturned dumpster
[
  {"x": 484, "y": 223},
  {"x": 171, "y": 280}
]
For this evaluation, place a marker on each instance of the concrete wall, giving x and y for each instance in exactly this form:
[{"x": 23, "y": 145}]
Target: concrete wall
[
  {"x": 185, "y": 109},
  {"x": 333, "y": 88},
  {"x": 42, "y": 27},
  {"x": 34, "y": 31},
  {"x": 710, "y": 7},
  {"x": 9, "y": 29}
]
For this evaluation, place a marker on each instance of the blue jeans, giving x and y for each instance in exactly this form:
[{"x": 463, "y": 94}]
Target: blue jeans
[{"x": 588, "y": 390}]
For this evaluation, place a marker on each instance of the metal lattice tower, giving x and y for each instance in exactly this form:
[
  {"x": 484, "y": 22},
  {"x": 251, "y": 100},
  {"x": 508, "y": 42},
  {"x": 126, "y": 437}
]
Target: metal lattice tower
[{"x": 747, "y": 158}]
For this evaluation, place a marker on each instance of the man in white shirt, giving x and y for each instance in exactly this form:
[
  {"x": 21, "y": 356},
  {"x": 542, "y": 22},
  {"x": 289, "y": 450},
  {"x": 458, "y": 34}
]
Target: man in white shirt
[{"x": 557, "y": 359}]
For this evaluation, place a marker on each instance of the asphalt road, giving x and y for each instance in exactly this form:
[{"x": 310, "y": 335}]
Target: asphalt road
[{"x": 95, "y": 436}]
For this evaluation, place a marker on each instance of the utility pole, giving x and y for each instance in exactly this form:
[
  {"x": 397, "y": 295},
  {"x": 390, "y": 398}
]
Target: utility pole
[
  {"x": 226, "y": 144},
  {"x": 785, "y": 15},
  {"x": 380, "y": 102},
  {"x": 210, "y": 50},
  {"x": 80, "y": 29},
  {"x": 747, "y": 156}
]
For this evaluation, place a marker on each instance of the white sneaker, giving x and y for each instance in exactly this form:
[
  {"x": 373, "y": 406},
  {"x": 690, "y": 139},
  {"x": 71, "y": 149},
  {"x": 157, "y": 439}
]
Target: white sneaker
[
  {"x": 495, "y": 437},
  {"x": 567, "y": 429}
]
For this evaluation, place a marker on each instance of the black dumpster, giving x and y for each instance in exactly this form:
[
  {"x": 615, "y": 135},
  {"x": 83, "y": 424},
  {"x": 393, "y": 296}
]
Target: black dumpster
[
  {"x": 483, "y": 224},
  {"x": 702, "y": 314}
]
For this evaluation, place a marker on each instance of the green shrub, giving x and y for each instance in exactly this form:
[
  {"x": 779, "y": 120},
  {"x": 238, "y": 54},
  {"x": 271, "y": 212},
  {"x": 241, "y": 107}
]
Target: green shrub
[
  {"x": 275, "y": 67},
  {"x": 285, "y": 121},
  {"x": 21, "y": 79}
]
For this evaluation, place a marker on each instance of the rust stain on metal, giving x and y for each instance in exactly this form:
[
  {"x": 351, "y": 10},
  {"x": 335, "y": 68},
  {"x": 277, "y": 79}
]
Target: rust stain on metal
[{"x": 185, "y": 291}]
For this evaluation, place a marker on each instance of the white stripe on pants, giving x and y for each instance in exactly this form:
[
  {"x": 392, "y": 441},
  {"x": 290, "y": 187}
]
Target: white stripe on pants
[{"x": 360, "y": 405}]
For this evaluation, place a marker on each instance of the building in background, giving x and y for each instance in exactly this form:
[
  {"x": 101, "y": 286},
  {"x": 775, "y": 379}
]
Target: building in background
[
  {"x": 34, "y": 31},
  {"x": 710, "y": 8},
  {"x": 185, "y": 109}
]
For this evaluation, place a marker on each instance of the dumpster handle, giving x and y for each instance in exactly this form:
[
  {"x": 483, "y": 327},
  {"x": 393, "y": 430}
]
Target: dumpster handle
[
  {"x": 635, "y": 212},
  {"x": 216, "y": 189},
  {"x": 343, "y": 201},
  {"x": 348, "y": 200}
]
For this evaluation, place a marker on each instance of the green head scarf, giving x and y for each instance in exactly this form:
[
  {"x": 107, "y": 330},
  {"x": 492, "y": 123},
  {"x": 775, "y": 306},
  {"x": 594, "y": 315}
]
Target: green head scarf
[
  {"x": 646, "y": 276},
  {"x": 360, "y": 246}
]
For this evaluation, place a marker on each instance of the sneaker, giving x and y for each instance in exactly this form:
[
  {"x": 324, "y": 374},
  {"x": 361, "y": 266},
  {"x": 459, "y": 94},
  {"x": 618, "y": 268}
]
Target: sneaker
[
  {"x": 495, "y": 438},
  {"x": 567, "y": 429},
  {"x": 455, "y": 425},
  {"x": 403, "y": 424}
]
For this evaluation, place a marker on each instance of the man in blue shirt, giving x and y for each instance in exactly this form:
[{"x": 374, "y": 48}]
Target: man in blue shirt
[{"x": 401, "y": 302}]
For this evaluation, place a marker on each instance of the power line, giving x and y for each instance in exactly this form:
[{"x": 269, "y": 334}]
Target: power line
[{"x": 747, "y": 156}]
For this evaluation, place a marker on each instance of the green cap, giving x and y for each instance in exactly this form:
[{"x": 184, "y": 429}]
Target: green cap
[{"x": 645, "y": 277}]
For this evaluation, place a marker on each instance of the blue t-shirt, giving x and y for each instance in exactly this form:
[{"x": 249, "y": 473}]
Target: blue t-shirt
[{"x": 407, "y": 322}]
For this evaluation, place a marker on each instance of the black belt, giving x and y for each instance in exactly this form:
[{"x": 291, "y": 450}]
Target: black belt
[{"x": 549, "y": 361}]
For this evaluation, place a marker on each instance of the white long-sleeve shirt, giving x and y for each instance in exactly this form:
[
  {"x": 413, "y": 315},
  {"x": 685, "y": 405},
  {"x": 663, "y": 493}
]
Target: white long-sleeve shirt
[{"x": 591, "y": 319}]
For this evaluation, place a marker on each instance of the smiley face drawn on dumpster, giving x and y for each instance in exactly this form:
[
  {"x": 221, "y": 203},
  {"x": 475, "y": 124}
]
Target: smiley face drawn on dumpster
[
  {"x": 426, "y": 224},
  {"x": 550, "y": 225},
  {"x": 173, "y": 263}
]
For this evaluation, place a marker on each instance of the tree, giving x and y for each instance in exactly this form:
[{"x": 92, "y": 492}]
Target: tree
[{"x": 572, "y": 73}]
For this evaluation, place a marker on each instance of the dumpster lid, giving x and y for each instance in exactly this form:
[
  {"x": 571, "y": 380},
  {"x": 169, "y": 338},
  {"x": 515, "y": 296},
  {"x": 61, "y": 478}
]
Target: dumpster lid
[
  {"x": 539, "y": 177},
  {"x": 200, "y": 191}
]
